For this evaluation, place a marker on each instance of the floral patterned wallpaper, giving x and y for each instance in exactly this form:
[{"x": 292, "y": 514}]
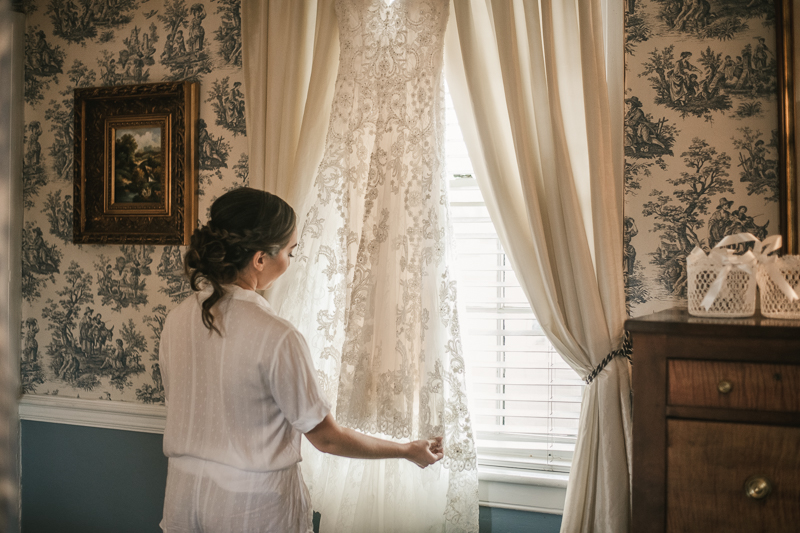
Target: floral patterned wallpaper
[
  {"x": 701, "y": 128},
  {"x": 92, "y": 314}
]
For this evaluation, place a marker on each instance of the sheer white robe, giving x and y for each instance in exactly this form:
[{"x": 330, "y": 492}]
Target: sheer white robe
[{"x": 237, "y": 404}]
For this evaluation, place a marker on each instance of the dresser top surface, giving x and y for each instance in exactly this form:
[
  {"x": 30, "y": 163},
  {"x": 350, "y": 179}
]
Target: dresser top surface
[{"x": 679, "y": 321}]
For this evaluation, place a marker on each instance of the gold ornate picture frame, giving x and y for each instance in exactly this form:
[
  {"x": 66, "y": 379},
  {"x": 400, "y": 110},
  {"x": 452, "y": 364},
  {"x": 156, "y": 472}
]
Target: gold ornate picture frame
[{"x": 136, "y": 164}]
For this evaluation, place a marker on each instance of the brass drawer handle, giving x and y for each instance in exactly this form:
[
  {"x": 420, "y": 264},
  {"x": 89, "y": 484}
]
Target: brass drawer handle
[
  {"x": 757, "y": 487},
  {"x": 724, "y": 386}
]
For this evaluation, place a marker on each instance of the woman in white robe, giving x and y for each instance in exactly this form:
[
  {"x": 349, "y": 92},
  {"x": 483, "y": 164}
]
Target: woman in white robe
[{"x": 240, "y": 385}]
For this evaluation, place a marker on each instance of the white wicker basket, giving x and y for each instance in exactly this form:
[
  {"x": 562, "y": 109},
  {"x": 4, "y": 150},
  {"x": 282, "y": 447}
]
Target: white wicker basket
[
  {"x": 775, "y": 303},
  {"x": 722, "y": 284}
]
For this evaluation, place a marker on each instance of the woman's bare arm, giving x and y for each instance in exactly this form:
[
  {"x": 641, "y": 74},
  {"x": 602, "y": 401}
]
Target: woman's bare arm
[{"x": 330, "y": 437}]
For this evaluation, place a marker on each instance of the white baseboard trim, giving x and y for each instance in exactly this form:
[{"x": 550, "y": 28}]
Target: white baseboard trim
[{"x": 124, "y": 416}]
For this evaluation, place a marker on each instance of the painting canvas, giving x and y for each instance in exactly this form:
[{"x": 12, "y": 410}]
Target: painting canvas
[{"x": 138, "y": 176}]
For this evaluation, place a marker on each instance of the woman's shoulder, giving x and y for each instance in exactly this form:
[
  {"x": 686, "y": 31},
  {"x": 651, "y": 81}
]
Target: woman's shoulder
[
  {"x": 258, "y": 307},
  {"x": 181, "y": 311},
  {"x": 182, "y": 307}
]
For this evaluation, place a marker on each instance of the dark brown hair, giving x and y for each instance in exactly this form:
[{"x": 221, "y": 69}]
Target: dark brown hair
[{"x": 243, "y": 221}]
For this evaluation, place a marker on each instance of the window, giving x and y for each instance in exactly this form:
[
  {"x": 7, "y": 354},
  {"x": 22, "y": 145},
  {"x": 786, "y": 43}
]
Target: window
[{"x": 525, "y": 400}]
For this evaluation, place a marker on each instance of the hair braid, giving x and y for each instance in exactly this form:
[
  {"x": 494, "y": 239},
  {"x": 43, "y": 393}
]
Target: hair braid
[{"x": 243, "y": 221}]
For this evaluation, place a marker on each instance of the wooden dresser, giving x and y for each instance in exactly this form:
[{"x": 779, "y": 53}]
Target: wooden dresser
[{"x": 716, "y": 424}]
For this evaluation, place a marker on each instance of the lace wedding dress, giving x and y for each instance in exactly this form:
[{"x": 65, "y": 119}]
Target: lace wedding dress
[{"x": 371, "y": 288}]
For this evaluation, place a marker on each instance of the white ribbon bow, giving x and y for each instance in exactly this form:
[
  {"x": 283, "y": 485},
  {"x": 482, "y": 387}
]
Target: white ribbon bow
[
  {"x": 762, "y": 252},
  {"x": 745, "y": 262}
]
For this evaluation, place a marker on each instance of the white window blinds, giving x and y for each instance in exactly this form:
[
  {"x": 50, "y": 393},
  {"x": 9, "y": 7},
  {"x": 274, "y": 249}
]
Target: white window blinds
[{"x": 524, "y": 399}]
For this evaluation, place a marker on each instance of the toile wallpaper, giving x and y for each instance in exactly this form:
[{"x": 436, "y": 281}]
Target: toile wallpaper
[
  {"x": 701, "y": 127},
  {"x": 700, "y": 163},
  {"x": 92, "y": 314}
]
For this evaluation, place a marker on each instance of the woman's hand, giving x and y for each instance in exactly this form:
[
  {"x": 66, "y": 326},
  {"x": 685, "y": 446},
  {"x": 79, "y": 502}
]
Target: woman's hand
[{"x": 425, "y": 452}]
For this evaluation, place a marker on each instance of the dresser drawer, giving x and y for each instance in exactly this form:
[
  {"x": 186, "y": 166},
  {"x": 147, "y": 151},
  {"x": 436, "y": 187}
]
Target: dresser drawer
[
  {"x": 708, "y": 465},
  {"x": 763, "y": 387}
]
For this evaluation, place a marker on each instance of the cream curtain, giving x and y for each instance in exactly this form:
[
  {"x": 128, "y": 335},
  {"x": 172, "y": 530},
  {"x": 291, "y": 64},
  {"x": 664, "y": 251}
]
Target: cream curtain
[
  {"x": 290, "y": 52},
  {"x": 529, "y": 87}
]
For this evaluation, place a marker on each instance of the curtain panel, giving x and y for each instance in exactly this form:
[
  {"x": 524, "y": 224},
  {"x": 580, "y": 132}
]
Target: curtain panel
[
  {"x": 529, "y": 87},
  {"x": 290, "y": 52}
]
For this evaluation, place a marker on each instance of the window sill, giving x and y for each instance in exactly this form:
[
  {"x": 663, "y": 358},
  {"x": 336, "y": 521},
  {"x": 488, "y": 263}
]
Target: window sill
[{"x": 540, "y": 492}]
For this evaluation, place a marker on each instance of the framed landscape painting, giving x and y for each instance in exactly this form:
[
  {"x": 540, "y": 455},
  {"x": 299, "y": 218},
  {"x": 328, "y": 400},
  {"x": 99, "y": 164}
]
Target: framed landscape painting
[
  {"x": 137, "y": 177},
  {"x": 136, "y": 164}
]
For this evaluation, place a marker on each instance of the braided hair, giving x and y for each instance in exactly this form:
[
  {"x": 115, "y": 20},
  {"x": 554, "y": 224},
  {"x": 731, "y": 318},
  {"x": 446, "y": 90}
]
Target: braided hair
[{"x": 243, "y": 221}]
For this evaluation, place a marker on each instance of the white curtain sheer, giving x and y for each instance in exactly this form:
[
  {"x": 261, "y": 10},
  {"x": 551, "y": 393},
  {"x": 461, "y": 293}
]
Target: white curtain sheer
[
  {"x": 528, "y": 83},
  {"x": 371, "y": 288}
]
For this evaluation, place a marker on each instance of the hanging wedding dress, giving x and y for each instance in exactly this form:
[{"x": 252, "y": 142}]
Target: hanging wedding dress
[{"x": 372, "y": 289}]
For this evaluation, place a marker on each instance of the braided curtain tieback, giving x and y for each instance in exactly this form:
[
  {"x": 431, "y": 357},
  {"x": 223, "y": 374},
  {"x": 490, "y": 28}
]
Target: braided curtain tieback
[{"x": 625, "y": 351}]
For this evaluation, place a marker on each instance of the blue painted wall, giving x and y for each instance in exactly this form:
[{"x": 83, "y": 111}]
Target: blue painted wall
[
  {"x": 84, "y": 480},
  {"x": 87, "y": 480}
]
